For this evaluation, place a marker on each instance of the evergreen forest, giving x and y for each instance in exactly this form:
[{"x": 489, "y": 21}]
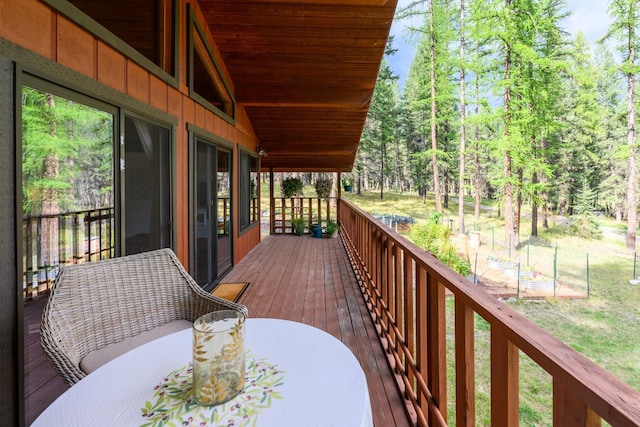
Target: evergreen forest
[{"x": 501, "y": 103}]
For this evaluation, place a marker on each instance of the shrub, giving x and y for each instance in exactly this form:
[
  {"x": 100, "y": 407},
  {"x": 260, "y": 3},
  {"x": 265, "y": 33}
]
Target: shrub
[
  {"x": 291, "y": 187},
  {"x": 298, "y": 225},
  {"x": 331, "y": 227},
  {"x": 323, "y": 186},
  {"x": 434, "y": 237},
  {"x": 585, "y": 226},
  {"x": 583, "y": 223}
]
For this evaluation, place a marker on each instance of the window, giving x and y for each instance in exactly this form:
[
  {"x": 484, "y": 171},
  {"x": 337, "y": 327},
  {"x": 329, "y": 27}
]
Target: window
[
  {"x": 248, "y": 190},
  {"x": 147, "y": 27},
  {"x": 67, "y": 180},
  {"x": 206, "y": 83}
]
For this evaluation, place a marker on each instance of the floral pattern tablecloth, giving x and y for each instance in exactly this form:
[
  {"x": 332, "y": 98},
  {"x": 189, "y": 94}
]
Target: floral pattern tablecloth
[{"x": 172, "y": 403}]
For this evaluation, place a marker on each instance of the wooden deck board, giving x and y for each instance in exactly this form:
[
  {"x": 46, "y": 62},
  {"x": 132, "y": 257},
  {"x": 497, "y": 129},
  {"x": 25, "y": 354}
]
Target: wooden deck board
[
  {"x": 42, "y": 383},
  {"x": 320, "y": 289},
  {"x": 295, "y": 278}
]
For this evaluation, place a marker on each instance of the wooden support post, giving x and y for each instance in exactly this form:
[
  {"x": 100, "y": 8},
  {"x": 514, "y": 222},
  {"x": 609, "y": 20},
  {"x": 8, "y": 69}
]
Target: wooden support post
[
  {"x": 339, "y": 197},
  {"x": 272, "y": 204}
]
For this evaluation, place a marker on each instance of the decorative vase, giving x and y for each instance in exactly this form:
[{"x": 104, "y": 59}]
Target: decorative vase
[{"x": 218, "y": 356}]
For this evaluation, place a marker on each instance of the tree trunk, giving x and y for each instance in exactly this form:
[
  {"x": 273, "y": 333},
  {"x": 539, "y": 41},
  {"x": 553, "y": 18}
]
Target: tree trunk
[
  {"x": 632, "y": 221},
  {"x": 518, "y": 211},
  {"x": 507, "y": 168},
  {"x": 446, "y": 190},
  {"x": 534, "y": 207},
  {"x": 461, "y": 229},
  {"x": 382, "y": 149},
  {"x": 434, "y": 141},
  {"x": 544, "y": 196},
  {"x": 49, "y": 232},
  {"x": 476, "y": 151}
]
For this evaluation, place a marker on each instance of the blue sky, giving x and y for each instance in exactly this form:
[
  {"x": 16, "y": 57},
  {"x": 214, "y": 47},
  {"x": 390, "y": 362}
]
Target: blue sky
[{"x": 590, "y": 16}]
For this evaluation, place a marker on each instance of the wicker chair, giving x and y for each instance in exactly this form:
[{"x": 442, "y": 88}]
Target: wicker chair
[{"x": 102, "y": 303}]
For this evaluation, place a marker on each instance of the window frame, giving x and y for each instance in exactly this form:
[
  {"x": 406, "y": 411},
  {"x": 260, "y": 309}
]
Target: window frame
[
  {"x": 71, "y": 12},
  {"x": 195, "y": 135},
  {"x": 197, "y": 43},
  {"x": 245, "y": 163}
]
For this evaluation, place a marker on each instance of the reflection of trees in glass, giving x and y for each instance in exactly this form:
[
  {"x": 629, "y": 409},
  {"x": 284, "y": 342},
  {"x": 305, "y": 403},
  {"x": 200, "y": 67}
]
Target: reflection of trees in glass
[{"x": 66, "y": 154}]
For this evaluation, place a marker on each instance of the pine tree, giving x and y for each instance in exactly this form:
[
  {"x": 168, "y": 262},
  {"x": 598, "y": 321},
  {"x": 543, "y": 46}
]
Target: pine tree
[
  {"x": 463, "y": 135},
  {"x": 624, "y": 28},
  {"x": 379, "y": 130}
]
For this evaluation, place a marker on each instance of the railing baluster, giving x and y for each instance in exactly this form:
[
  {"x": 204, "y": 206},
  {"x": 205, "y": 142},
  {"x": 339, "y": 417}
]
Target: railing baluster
[
  {"x": 409, "y": 308},
  {"x": 395, "y": 296},
  {"x": 437, "y": 351},
  {"x": 569, "y": 410},
  {"x": 465, "y": 364},
  {"x": 29, "y": 255},
  {"x": 77, "y": 238},
  {"x": 505, "y": 358},
  {"x": 39, "y": 261},
  {"x": 100, "y": 234}
]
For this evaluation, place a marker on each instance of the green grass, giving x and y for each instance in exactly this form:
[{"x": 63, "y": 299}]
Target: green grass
[{"x": 603, "y": 327}]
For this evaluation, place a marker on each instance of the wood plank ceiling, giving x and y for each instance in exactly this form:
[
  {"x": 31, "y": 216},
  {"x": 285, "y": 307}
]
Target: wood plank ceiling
[{"x": 305, "y": 71}]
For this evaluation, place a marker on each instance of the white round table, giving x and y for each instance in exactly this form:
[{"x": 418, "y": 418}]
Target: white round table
[{"x": 297, "y": 375}]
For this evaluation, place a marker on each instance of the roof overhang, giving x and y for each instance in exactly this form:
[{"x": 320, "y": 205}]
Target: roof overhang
[{"x": 304, "y": 71}]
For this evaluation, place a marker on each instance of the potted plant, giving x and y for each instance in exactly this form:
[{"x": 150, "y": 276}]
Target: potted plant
[
  {"x": 331, "y": 229},
  {"x": 298, "y": 225},
  {"x": 291, "y": 187},
  {"x": 347, "y": 183},
  {"x": 323, "y": 187}
]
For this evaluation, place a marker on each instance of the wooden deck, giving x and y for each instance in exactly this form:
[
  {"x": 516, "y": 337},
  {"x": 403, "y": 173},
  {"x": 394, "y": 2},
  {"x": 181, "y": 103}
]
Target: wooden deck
[
  {"x": 294, "y": 278},
  {"x": 42, "y": 384}
]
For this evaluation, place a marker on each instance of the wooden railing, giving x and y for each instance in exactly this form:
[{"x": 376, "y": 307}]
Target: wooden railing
[
  {"x": 51, "y": 241},
  {"x": 312, "y": 209},
  {"x": 406, "y": 289}
]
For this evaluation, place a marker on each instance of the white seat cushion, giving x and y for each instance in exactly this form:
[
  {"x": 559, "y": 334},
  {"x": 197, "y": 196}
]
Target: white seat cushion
[{"x": 95, "y": 359}]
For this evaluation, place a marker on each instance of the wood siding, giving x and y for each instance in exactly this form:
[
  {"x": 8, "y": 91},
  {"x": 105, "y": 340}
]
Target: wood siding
[{"x": 60, "y": 40}]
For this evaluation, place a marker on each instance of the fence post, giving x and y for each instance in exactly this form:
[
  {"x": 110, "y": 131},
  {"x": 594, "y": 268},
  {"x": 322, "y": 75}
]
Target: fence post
[
  {"x": 518, "y": 291},
  {"x": 555, "y": 269},
  {"x": 475, "y": 270},
  {"x": 588, "y": 281},
  {"x": 634, "y": 264}
]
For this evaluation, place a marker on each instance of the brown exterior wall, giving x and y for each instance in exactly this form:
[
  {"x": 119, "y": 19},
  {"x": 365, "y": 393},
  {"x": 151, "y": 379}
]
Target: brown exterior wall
[{"x": 34, "y": 26}]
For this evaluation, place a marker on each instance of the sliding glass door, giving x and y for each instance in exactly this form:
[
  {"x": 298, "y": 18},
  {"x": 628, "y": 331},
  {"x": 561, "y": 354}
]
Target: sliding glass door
[
  {"x": 146, "y": 197},
  {"x": 212, "y": 212}
]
